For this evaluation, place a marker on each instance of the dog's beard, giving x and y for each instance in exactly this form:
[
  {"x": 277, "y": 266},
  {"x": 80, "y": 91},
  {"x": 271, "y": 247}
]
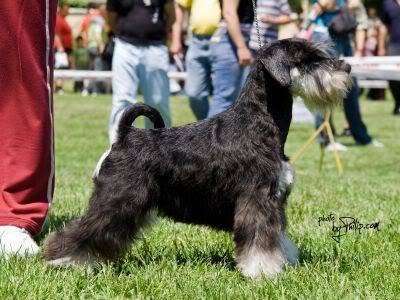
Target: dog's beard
[{"x": 321, "y": 90}]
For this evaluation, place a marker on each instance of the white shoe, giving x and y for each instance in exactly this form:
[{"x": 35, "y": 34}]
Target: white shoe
[
  {"x": 17, "y": 241},
  {"x": 339, "y": 147},
  {"x": 376, "y": 144}
]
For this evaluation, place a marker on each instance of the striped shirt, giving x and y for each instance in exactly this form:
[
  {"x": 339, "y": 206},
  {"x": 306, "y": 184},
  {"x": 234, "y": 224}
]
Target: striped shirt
[{"x": 268, "y": 32}]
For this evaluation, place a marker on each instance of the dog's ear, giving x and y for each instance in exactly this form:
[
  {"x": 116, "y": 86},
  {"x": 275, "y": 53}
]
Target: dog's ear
[{"x": 278, "y": 69}]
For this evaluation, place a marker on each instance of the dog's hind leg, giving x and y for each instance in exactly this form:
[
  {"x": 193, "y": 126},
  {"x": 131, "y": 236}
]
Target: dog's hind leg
[
  {"x": 104, "y": 232},
  {"x": 262, "y": 247}
]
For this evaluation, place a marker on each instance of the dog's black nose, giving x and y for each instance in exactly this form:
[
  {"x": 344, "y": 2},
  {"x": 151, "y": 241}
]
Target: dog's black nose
[{"x": 343, "y": 66}]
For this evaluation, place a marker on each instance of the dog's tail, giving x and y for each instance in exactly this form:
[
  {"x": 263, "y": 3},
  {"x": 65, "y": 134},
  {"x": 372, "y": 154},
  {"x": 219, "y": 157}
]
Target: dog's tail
[{"x": 137, "y": 110}]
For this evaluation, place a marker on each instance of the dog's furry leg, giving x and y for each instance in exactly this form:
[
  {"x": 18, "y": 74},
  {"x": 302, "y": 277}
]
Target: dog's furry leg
[
  {"x": 262, "y": 247},
  {"x": 104, "y": 232}
]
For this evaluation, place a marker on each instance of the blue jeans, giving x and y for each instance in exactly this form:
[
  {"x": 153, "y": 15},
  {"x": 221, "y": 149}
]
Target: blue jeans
[
  {"x": 342, "y": 46},
  {"x": 229, "y": 76},
  {"x": 198, "y": 68},
  {"x": 394, "y": 50},
  {"x": 134, "y": 66}
]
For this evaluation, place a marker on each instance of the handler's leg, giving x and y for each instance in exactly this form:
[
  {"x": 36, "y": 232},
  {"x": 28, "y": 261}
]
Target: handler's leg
[
  {"x": 228, "y": 74},
  {"x": 353, "y": 116},
  {"x": 394, "y": 50},
  {"x": 198, "y": 68},
  {"x": 153, "y": 73},
  {"x": 26, "y": 135},
  {"x": 125, "y": 83}
]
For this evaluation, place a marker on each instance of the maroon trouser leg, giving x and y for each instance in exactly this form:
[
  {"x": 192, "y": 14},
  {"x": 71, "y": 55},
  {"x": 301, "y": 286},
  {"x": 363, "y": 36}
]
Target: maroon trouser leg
[{"x": 26, "y": 121}]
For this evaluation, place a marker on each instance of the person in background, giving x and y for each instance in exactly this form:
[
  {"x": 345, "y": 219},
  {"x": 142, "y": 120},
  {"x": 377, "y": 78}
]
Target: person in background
[
  {"x": 324, "y": 11},
  {"x": 204, "y": 19},
  {"x": 63, "y": 37},
  {"x": 63, "y": 41},
  {"x": 391, "y": 17},
  {"x": 140, "y": 56},
  {"x": 108, "y": 49},
  {"x": 26, "y": 114},
  {"x": 230, "y": 53},
  {"x": 375, "y": 46},
  {"x": 81, "y": 60},
  {"x": 96, "y": 38},
  {"x": 271, "y": 14},
  {"x": 93, "y": 10},
  {"x": 357, "y": 9}
]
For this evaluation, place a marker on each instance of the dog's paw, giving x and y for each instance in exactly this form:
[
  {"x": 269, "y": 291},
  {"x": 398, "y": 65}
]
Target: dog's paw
[
  {"x": 81, "y": 262},
  {"x": 61, "y": 262},
  {"x": 257, "y": 263},
  {"x": 260, "y": 263}
]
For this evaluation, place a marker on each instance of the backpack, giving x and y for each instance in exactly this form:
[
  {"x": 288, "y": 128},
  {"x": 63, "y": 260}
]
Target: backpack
[{"x": 343, "y": 24}]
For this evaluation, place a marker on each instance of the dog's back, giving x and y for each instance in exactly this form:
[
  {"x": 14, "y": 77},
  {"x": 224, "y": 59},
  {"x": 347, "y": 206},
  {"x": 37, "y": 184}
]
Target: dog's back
[{"x": 198, "y": 170}]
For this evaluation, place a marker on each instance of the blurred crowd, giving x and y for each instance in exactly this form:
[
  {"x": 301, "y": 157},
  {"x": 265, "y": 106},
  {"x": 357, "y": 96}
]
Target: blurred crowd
[
  {"x": 88, "y": 50},
  {"x": 215, "y": 42}
]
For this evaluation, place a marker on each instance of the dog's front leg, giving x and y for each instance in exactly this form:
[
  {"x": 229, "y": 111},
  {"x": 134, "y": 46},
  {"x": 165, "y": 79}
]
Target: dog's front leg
[{"x": 262, "y": 247}]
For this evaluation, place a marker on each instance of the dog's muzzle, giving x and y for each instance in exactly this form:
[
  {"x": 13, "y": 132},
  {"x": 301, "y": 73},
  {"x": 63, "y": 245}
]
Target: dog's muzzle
[{"x": 343, "y": 66}]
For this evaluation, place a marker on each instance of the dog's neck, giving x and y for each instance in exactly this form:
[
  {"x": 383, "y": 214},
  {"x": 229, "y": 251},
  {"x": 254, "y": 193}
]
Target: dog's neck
[{"x": 263, "y": 92}]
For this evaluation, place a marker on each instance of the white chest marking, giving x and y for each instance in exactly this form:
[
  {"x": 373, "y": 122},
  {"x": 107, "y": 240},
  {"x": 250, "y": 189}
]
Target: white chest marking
[{"x": 100, "y": 162}]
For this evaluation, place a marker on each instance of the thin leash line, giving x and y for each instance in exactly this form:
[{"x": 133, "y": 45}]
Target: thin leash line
[{"x": 256, "y": 20}]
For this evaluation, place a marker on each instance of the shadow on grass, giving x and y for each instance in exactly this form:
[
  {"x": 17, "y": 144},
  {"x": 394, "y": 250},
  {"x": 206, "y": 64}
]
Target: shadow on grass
[
  {"x": 132, "y": 263},
  {"x": 142, "y": 255},
  {"x": 180, "y": 256}
]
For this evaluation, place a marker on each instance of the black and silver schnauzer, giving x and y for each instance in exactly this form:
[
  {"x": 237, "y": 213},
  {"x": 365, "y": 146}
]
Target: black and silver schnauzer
[{"x": 229, "y": 172}]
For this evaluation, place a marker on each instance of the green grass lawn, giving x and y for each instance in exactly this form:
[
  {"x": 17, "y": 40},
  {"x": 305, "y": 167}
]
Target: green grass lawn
[{"x": 177, "y": 261}]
